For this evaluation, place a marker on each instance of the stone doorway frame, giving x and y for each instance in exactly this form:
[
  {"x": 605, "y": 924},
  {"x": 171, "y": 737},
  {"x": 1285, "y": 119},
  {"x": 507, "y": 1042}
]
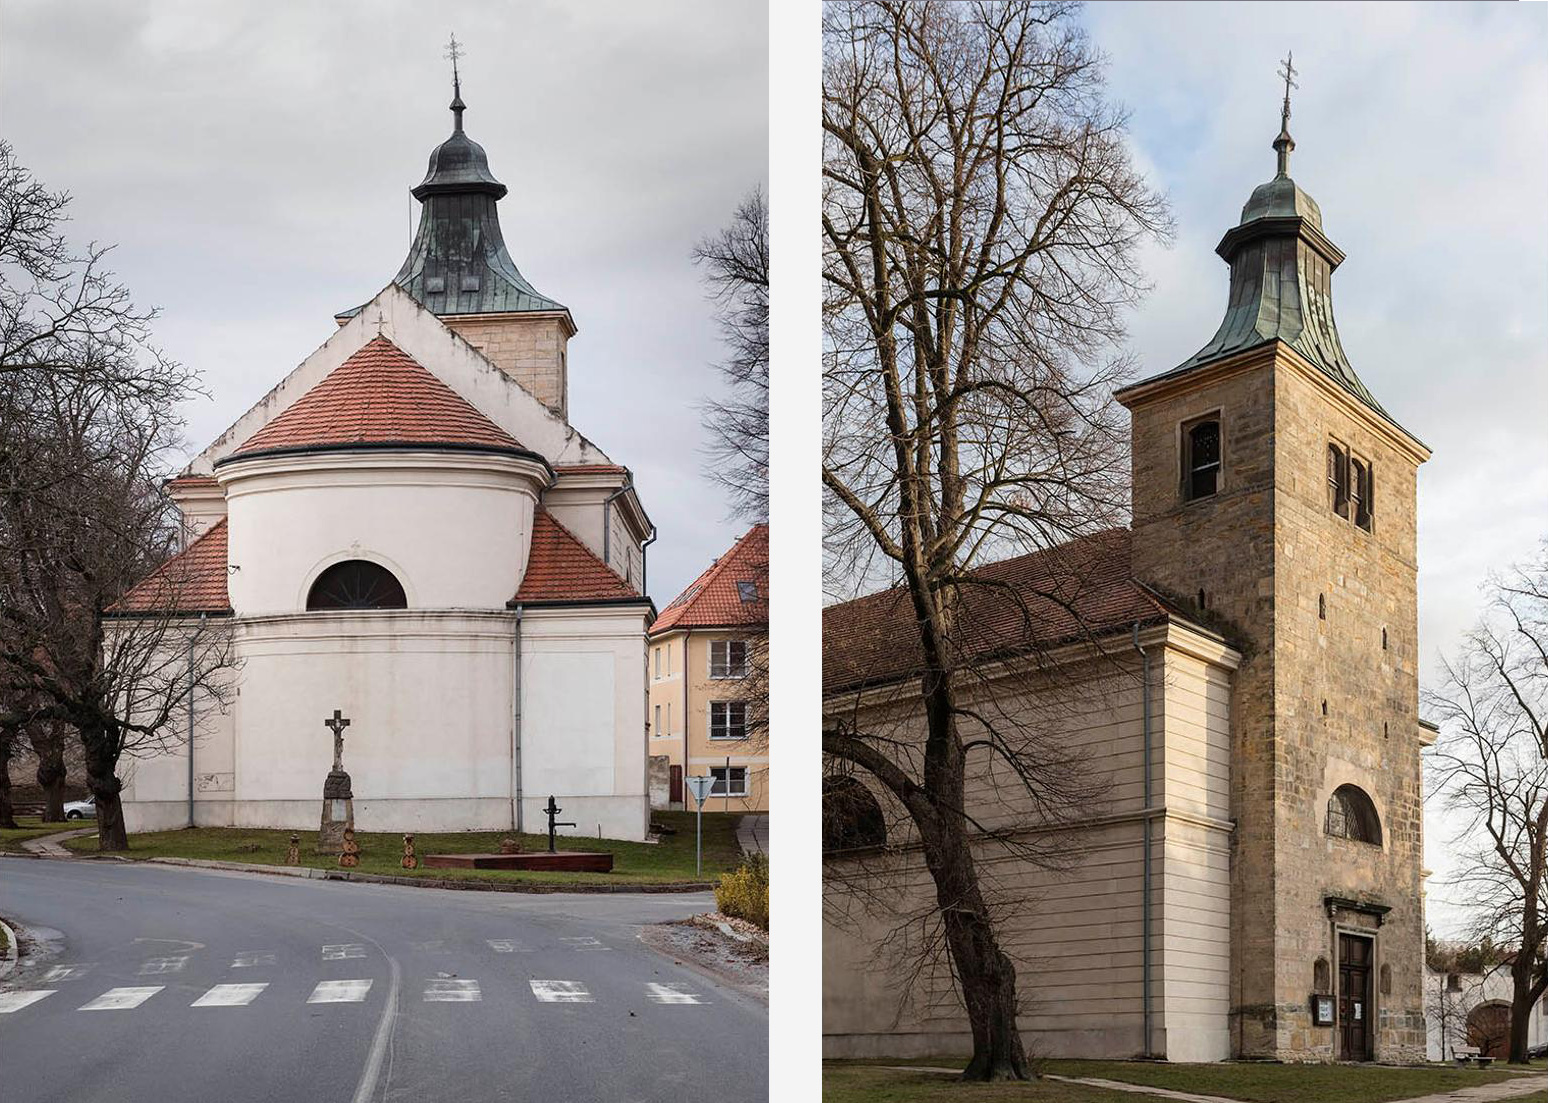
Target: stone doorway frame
[{"x": 1372, "y": 991}]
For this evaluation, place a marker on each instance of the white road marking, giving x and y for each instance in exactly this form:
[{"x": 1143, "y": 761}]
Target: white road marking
[
  {"x": 122, "y": 999},
  {"x": 15, "y": 1001},
  {"x": 252, "y": 960},
  {"x": 505, "y": 945},
  {"x": 229, "y": 995},
  {"x": 340, "y": 991},
  {"x": 453, "y": 991},
  {"x": 371, "y": 1071},
  {"x": 163, "y": 965},
  {"x": 67, "y": 972},
  {"x": 343, "y": 951},
  {"x": 585, "y": 942},
  {"x": 434, "y": 946},
  {"x": 670, "y": 993},
  {"x": 560, "y": 991}
]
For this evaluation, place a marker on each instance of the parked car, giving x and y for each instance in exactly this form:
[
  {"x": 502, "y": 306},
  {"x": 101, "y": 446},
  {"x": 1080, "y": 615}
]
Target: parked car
[
  {"x": 1537, "y": 1052},
  {"x": 81, "y": 809}
]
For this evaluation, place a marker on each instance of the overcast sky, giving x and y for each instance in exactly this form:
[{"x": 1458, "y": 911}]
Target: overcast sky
[
  {"x": 253, "y": 162},
  {"x": 1420, "y": 131}
]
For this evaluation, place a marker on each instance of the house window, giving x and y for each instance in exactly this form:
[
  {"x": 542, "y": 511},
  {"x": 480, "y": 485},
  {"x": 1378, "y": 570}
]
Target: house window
[
  {"x": 658, "y": 662},
  {"x": 657, "y": 730},
  {"x": 1361, "y": 490},
  {"x": 728, "y": 719},
  {"x": 669, "y": 719},
  {"x": 1201, "y": 459},
  {"x": 728, "y": 658},
  {"x": 356, "y": 584},
  {"x": 1338, "y": 480},
  {"x": 747, "y": 591},
  {"x": 729, "y": 781},
  {"x": 1351, "y": 815}
]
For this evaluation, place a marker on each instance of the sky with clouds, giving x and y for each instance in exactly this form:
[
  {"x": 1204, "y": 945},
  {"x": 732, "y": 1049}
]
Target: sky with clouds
[
  {"x": 1419, "y": 130},
  {"x": 253, "y": 163}
]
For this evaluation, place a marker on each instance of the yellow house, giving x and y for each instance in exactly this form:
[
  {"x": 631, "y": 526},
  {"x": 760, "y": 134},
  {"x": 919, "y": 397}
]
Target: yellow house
[{"x": 708, "y": 677}]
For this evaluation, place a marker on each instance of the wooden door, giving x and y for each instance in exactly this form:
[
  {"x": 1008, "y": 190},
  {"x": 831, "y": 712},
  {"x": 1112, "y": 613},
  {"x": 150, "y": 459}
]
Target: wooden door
[
  {"x": 1354, "y": 998},
  {"x": 676, "y": 795}
]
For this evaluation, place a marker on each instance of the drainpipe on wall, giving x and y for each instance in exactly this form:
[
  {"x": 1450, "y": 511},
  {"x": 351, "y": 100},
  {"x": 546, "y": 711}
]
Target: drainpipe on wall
[
  {"x": 649, "y": 540},
  {"x": 191, "y": 641},
  {"x": 1145, "y": 901},
  {"x": 687, "y": 716},
  {"x": 607, "y": 521},
  {"x": 516, "y": 816}
]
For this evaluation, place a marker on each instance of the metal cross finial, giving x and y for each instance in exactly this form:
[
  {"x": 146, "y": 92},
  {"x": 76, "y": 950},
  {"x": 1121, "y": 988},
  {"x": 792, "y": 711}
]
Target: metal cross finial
[
  {"x": 1288, "y": 72},
  {"x": 336, "y": 724},
  {"x": 454, "y": 51}
]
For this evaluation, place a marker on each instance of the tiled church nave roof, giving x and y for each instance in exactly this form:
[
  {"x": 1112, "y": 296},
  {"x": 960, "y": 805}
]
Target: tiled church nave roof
[
  {"x": 192, "y": 581},
  {"x": 379, "y": 397},
  {"x": 1059, "y": 595},
  {"x": 562, "y": 569}
]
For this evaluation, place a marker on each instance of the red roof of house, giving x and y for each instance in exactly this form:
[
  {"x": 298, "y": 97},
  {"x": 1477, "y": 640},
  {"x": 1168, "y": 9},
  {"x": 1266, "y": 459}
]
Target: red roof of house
[
  {"x": 1081, "y": 588},
  {"x": 192, "y": 581},
  {"x": 562, "y": 569},
  {"x": 715, "y": 600},
  {"x": 204, "y": 482},
  {"x": 380, "y": 396},
  {"x": 590, "y": 469}
]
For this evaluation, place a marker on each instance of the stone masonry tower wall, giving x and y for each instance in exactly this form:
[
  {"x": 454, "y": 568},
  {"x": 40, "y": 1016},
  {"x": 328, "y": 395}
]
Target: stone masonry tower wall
[{"x": 530, "y": 348}]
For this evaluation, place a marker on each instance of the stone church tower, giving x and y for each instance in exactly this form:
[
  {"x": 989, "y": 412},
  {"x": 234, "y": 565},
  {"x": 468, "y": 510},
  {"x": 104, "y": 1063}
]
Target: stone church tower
[
  {"x": 1275, "y": 494},
  {"x": 458, "y": 268}
]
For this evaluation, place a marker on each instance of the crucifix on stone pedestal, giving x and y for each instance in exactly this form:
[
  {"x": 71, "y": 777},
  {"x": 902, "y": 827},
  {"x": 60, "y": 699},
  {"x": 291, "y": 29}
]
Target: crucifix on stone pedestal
[{"x": 338, "y": 811}]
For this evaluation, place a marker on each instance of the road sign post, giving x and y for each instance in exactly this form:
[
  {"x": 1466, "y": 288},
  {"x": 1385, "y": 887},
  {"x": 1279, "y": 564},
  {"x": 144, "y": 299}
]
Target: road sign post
[{"x": 700, "y": 788}]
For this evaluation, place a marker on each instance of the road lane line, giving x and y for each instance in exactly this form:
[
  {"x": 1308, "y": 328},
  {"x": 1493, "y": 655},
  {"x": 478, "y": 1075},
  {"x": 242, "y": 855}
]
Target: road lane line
[
  {"x": 670, "y": 993},
  {"x": 340, "y": 991},
  {"x": 15, "y": 1001},
  {"x": 164, "y": 965},
  {"x": 453, "y": 991},
  {"x": 372, "y": 1069},
  {"x": 343, "y": 951},
  {"x": 560, "y": 991},
  {"x": 585, "y": 942},
  {"x": 230, "y": 995},
  {"x": 67, "y": 972},
  {"x": 252, "y": 960},
  {"x": 504, "y": 945},
  {"x": 122, "y": 999}
]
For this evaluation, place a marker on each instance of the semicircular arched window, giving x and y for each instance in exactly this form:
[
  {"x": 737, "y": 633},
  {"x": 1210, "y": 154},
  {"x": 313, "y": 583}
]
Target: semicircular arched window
[
  {"x": 851, "y": 817},
  {"x": 1351, "y": 815},
  {"x": 356, "y": 584}
]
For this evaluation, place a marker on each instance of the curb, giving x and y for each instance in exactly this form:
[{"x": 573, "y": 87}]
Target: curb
[
  {"x": 452, "y": 884},
  {"x": 13, "y": 952}
]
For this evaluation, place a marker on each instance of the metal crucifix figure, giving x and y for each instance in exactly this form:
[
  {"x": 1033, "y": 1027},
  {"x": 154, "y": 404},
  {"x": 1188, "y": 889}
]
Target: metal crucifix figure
[{"x": 337, "y": 723}]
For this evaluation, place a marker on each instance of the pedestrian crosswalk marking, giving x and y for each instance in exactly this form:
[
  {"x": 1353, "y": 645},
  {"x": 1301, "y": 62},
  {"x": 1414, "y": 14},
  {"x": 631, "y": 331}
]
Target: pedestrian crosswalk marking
[
  {"x": 504, "y": 945},
  {"x": 66, "y": 972},
  {"x": 585, "y": 942},
  {"x": 164, "y": 965},
  {"x": 560, "y": 991},
  {"x": 670, "y": 993},
  {"x": 252, "y": 960},
  {"x": 343, "y": 951},
  {"x": 229, "y": 995},
  {"x": 122, "y": 999},
  {"x": 452, "y": 991},
  {"x": 15, "y": 1001},
  {"x": 340, "y": 991}
]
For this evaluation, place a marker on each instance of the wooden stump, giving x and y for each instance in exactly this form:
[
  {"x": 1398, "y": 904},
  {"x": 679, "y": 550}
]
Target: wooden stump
[{"x": 349, "y": 857}]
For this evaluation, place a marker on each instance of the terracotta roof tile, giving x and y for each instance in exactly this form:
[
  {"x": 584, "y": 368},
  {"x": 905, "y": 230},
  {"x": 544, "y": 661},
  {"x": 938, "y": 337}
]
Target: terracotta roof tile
[
  {"x": 379, "y": 396},
  {"x": 192, "y": 581},
  {"x": 590, "y": 469},
  {"x": 202, "y": 482},
  {"x": 560, "y": 568},
  {"x": 1085, "y": 586},
  {"x": 716, "y": 598}
]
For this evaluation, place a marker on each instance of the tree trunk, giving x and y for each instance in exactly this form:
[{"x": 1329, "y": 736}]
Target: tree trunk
[
  {"x": 1522, "y": 996},
  {"x": 7, "y": 810},
  {"x": 51, "y": 771},
  {"x": 102, "y": 778}
]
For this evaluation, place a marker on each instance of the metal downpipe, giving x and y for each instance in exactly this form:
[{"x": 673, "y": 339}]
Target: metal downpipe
[
  {"x": 516, "y": 816},
  {"x": 1145, "y": 968}
]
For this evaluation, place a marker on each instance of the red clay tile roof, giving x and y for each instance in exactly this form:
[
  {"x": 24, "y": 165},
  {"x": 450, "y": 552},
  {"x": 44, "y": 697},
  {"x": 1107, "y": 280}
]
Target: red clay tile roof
[
  {"x": 562, "y": 569},
  {"x": 715, "y": 598},
  {"x": 192, "y": 581},
  {"x": 590, "y": 469},
  {"x": 380, "y": 396},
  {"x": 1083, "y": 587},
  {"x": 191, "y": 481}
]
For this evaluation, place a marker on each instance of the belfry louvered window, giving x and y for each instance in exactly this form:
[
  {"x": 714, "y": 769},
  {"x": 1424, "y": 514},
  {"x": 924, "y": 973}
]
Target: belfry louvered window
[
  {"x": 1351, "y": 815},
  {"x": 1338, "y": 480},
  {"x": 356, "y": 584},
  {"x": 1201, "y": 459}
]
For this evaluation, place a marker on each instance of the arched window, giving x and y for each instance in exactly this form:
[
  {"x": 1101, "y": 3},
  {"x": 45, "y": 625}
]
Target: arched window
[
  {"x": 1351, "y": 815},
  {"x": 851, "y": 816},
  {"x": 1338, "y": 479},
  {"x": 356, "y": 584},
  {"x": 1201, "y": 460}
]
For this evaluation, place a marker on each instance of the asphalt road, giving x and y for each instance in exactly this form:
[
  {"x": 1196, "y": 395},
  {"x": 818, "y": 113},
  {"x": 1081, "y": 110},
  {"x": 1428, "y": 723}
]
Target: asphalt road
[{"x": 184, "y": 986}]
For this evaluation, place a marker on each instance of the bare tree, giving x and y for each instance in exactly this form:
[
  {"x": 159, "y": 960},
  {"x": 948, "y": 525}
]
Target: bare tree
[
  {"x": 48, "y": 740},
  {"x": 736, "y": 268},
  {"x": 8, "y": 738},
  {"x": 1490, "y": 765},
  {"x": 981, "y": 226}
]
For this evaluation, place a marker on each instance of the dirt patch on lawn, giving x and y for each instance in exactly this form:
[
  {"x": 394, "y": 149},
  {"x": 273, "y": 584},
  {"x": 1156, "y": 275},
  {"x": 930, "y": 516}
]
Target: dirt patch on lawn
[{"x": 732, "y": 951}]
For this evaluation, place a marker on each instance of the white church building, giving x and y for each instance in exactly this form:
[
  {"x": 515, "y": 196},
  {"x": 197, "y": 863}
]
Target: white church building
[{"x": 408, "y": 529}]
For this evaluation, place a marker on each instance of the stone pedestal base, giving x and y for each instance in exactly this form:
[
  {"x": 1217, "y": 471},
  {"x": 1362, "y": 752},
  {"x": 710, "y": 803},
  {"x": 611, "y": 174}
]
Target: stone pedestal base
[{"x": 338, "y": 813}]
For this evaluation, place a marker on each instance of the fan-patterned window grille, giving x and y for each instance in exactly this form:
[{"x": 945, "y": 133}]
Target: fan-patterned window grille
[{"x": 356, "y": 584}]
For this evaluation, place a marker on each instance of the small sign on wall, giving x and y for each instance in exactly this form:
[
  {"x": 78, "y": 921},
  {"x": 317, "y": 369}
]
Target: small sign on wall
[
  {"x": 215, "y": 783},
  {"x": 1322, "y": 1010}
]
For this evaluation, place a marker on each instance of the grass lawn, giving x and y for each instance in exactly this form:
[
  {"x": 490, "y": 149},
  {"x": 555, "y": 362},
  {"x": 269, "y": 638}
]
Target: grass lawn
[
  {"x": 639, "y": 863},
  {"x": 845, "y": 1083},
  {"x": 5, "y": 943},
  {"x": 1253, "y": 1083},
  {"x": 30, "y": 827}
]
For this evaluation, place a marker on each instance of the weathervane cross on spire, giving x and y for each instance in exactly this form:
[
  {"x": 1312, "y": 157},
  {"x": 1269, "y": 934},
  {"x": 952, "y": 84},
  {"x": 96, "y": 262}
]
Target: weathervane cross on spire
[
  {"x": 1288, "y": 72},
  {"x": 1284, "y": 143},
  {"x": 454, "y": 51}
]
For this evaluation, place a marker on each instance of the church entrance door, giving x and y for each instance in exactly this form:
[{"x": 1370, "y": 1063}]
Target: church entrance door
[{"x": 1354, "y": 997}]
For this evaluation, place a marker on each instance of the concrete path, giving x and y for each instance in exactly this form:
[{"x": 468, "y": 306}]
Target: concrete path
[
  {"x": 49, "y": 845},
  {"x": 1527, "y": 1084},
  {"x": 752, "y": 834}
]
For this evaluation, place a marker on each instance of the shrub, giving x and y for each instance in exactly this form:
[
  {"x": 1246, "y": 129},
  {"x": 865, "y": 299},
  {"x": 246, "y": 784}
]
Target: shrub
[{"x": 744, "y": 892}]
